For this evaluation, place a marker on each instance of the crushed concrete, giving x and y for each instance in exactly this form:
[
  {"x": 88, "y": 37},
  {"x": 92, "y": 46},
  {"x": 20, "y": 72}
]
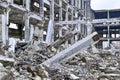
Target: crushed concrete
[{"x": 25, "y": 64}]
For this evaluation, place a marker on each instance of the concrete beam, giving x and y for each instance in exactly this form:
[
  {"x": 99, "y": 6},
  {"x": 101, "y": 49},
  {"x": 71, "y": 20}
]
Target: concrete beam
[
  {"x": 73, "y": 50},
  {"x": 70, "y": 22}
]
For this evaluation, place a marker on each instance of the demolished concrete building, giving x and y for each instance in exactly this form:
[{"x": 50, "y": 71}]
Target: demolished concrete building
[{"x": 58, "y": 40}]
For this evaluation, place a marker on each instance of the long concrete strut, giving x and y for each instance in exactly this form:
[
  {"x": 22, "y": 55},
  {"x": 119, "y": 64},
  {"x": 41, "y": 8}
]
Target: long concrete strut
[{"x": 73, "y": 50}]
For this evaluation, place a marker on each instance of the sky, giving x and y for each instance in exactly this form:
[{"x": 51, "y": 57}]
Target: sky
[{"x": 105, "y": 4}]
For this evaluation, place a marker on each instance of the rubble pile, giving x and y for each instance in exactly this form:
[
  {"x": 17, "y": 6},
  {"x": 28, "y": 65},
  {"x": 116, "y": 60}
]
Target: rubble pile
[
  {"x": 26, "y": 64},
  {"x": 92, "y": 66}
]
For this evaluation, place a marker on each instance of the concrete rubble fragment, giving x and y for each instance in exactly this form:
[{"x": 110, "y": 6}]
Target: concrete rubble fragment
[{"x": 5, "y": 74}]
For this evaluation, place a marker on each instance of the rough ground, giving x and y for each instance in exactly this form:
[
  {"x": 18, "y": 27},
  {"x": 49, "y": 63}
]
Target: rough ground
[{"x": 25, "y": 64}]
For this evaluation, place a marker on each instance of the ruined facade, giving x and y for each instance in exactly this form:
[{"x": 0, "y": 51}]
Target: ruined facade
[
  {"x": 43, "y": 16},
  {"x": 58, "y": 36}
]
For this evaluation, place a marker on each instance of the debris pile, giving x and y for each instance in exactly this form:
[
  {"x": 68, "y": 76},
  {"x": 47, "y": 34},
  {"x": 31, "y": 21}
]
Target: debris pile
[{"x": 26, "y": 64}]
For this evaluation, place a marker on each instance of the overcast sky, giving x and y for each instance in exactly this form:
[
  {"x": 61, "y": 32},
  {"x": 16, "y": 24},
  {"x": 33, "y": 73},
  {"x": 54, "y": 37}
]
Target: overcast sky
[{"x": 105, "y": 4}]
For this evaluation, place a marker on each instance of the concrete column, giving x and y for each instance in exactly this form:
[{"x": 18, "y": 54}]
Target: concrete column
[
  {"x": 60, "y": 32},
  {"x": 27, "y": 29},
  {"x": 52, "y": 10},
  {"x": 60, "y": 17},
  {"x": 0, "y": 28},
  {"x": 36, "y": 37},
  {"x": 115, "y": 33},
  {"x": 41, "y": 35},
  {"x": 108, "y": 31},
  {"x": 79, "y": 26},
  {"x": 80, "y": 4},
  {"x": 4, "y": 29},
  {"x": 28, "y": 5},
  {"x": 41, "y": 8},
  {"x": 37, "y": 31},
  {"x": 7, "y": 23},
  {"x": 66, "y": 15},
  {"x": 88, "y": 9},
  {"x": 31, "y": 32},
  {"x": 60, "y": 10},
  {"x": 50, "y": 31},
  {"x": 89, "y": 28},
  {"x": 108, "y": 35},
  {"x": 108, "y": 14},
  {"x": 27, "y": 23},
  {"x": 66, "y": 19},
  {"x": 77, "y": 18},
  {"x": 72, "y": 2}
]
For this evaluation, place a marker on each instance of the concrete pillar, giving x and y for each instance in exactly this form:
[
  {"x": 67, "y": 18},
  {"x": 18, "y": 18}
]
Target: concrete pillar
[
  {"x": 37, "y": 31},
  {"x": 60, "y": 10},
  {"x": 52, "y": 10},
  {"x": 7, "y": 23},
  {"x": 71, "y": 2},
  {"x": 108, "y": 35},
  {"x": 31, "y": 32},
  {"x": 3, "y": 29},
  {"x": 66, "y": 15},
  {"x": 80, "y": 4},
  {"x": 108, "y": 31},
  {"x": 28, "y": 5},
  {"x": 89, "y": 28},
  {"x": 108, "y": 14},
  {"x": 60, "y": 32},
  {"x": 38, "y": 34},
  {"x": 41, "y": 34},
  {"x": 0, "y": 28},
  {"x": 41, "y": 3},
  {"x": 115, "y": 33},
  {"x": 27, "y": 23},
  {"x": 66, "y": 19},
  {"x": 27, "y": 29},
  {"x": 60, "y": 17},
  {"x": 50, "y": 31},
  {"x": 88, "y": 9}
]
